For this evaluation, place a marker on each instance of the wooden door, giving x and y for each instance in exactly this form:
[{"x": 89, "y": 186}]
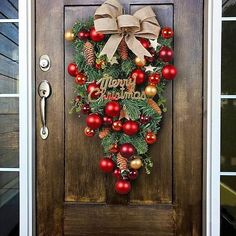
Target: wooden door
[{"x": 73, "y": 196}]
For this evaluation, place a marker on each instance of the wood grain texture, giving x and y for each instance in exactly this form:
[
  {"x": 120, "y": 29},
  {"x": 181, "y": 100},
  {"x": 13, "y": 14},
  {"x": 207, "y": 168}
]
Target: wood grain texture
[
  {"x": 116, "y": 220},
  {"x": 187, "y": 126}
]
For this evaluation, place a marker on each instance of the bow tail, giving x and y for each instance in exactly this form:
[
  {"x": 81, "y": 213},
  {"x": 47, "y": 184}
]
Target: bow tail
[
  {"x": 136, "y": 47},
  {"x": 111, "y": 46}
]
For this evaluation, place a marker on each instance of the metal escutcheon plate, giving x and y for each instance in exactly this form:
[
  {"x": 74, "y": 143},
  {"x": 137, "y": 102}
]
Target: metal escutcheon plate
[
  {"x": 44, "y": 89},
  {"x": 44, "y": 132}
]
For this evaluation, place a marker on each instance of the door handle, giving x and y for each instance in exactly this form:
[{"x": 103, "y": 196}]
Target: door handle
[{"x": 44, "y": 91}]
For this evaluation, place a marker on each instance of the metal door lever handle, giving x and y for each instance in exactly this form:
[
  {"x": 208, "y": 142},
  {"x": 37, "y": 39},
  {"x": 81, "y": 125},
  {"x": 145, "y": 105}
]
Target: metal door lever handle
[{"x": 44, "y": 92}]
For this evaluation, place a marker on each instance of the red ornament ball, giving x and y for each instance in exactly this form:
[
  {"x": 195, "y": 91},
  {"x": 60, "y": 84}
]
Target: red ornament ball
[
  {"x": 95, "y": 36},
  {"x": 166, "y": 54},
  {"x": 112, "y": 109},
  {"x": 153, "y": 55},
  {"x": 133, "y": 174},
  {"x": 169, "y": 72},
  {"x": 154, "y": 78},
  {"x": 123, "y": 186},
  {"x": 89, "y": 132},
  {"x": 144, "y": 42},
  {"x": 130, "y": 127},
  {"x": 94, "y": 121},
  {"x": 117, "y": 173},
  {"x": 80, "y": 79},
  {"x": 167, "y": 33},
  {"x": 86, "y": 109},
  {"x": 144, "y": 119},
  {"x": 139, "y": 75},
  {"x": 114, "y": 148},
  {"x": 107, "y": 121},
  {"x": 72, "y": 69},
  {"x": 150, "y": 138},
  {"x": 117, "y": 125},
  {"x": 127, "y": 150},
  {"x": 91, "y": 87},
  {"x": 106, "y": 165},
  {"x": 83, "y": 35},
  {"x": 77, "y": 99}
]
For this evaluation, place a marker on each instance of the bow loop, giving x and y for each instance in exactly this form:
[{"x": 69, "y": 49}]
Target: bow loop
[{"x": 108, "y": 19}]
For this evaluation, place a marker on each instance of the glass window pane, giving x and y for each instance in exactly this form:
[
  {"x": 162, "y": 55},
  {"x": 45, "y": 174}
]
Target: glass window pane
[
  {"x": 228, "y": 205},
  {"x": 9, "y": 9},
  {"x": 228, "y": 72},
  {"x": 229, "y": 8},
  {"x": 9, "y": 66},
  {"x": 9, "y": 203},
  {"x": 9, "y": 132},
  {"x": 228, "y": 131}
]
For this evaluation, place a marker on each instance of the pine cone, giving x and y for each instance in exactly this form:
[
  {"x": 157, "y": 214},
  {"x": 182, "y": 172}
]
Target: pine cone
[
  {"x": 121, "y": 162},
  {"x": 154, "y": 106},
  {"x": 123, "y": 50},
  {"x": 103, "y": 133},
  {"x": 89, "y": 53}
]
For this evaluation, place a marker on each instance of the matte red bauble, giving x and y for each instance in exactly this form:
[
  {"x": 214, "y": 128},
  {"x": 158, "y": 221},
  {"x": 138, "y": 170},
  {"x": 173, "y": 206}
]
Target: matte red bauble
[
  {"x": 167, "y": 33},
  {"x": 150, "y": 138},
  {"x": 72, "y": 69},
  {"x": 95, "y": 36},
  {"x": 130, "y": 127},
  {"x": 169, "y": 72},
  {"x": 106, "y": 165},
  {"x": 144, "y": 42},
  {"x": 89, "y": 132},
  {"x": 112, "y": 109},
  {"x": 86, "y": 108},
  {"x": 94, "y": 121},
  {"x": 117, "y": 173},
  {"x": 154, "y": 78},
  {"x": 91, "y": 87},
  {"x": 107, "y": 121},
  {"x": 114, "y": 148},
  {"x": 133, "y": 174},
  {"x": 123, "y": 186},
  {"x": 166, "y": 54},
  {"x": 117, "y": 125},
  {"x": 127, "y": 150},
  {"x": 139, "y": 75},
  {"x": 80, "y": 79},
  {"x": 83, "y": 35}
]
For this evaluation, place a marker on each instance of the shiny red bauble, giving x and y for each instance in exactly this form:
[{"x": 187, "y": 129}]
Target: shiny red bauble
[
  {"x": 83, "y": 35},
  {"x": 91, "y": 87},
  {"x": 117, "y": 173},
  {"x": 112, "y": 109},
  {"x": 117, "y": 125},
  {"x": 167, "y": 33},
  {"x": 130, "y": 127},
  {"x": 106, "y": 165},
  {"x": 139, "y": 75},
  {"x": 127, "y": 150},
  {"x": 123, "y": 186},
  {"x": 133, "y": 174},
  {"x": 150, "y": 138},
  {"x": 80, "y": 79},
  {"x": 94, "y": 121},
  {"x": 95, "y": 36},
  {"x": 144, "y": 42},
  {"x": 114, "y": 148},
  {"x": 72, "y": 69},
  {"x": 89, "y": 132},
  {"x": 107, "y": 121},
  {"x": 166, "y": 54},
  {"x": 144, "y": 119},
  {"x": 169, "y": 72},
  {"x": 85, "y": 109},
  {"x": 154, "y": 78}
]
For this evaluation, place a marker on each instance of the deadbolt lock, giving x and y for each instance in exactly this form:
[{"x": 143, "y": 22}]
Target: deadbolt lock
[{"x": 44, "y": 63}]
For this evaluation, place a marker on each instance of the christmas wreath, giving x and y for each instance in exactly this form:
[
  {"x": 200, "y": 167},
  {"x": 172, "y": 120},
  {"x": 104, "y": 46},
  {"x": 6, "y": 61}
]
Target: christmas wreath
[{"x": 121, "y": 67}]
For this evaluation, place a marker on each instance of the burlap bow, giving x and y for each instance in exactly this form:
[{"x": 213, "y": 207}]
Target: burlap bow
[{"x": 108, "y": 19}]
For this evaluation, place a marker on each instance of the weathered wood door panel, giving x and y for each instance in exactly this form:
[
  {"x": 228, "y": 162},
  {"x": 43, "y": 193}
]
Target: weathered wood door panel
[{"x": 73, "y": 196}]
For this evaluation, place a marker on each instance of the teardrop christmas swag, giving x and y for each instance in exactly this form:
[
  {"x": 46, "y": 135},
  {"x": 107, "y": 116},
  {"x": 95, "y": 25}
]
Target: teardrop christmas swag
[{"x": 121, "y": 67}]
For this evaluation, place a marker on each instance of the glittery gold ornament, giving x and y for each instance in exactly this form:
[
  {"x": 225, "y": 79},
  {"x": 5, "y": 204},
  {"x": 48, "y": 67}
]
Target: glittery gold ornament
[
  {"x": 69, "y": 35},
  {"x": 136, "y": 163},
  {"x": 139, "y": 62},
  {"x": 150, "y": 91}
]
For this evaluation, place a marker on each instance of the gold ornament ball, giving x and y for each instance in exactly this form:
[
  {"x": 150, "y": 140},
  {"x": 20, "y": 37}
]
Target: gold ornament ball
[
  {"x": 136, "y": 163},
  {"x": 151, "y": 91},
  {"x": 139, "y": 62},
  {"x": 69, "y": 35}
]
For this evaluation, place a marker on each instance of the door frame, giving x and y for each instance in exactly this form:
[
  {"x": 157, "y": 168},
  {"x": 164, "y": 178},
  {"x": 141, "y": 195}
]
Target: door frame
[{"x": 211, "y": 173}]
